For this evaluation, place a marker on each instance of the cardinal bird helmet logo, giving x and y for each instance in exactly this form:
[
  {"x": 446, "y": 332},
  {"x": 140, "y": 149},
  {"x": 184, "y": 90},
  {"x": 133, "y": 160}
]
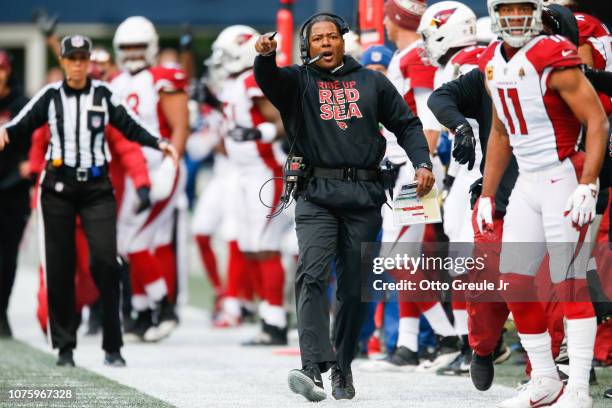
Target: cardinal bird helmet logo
[{"x": 441, "y": 17}]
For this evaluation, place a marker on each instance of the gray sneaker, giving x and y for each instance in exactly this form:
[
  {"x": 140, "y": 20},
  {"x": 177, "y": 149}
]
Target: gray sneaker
[{"x": 308, "y": 383}]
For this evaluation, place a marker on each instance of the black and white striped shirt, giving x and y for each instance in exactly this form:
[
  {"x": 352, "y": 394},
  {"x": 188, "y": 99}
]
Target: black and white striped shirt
[{"x": 77, "y": 119}]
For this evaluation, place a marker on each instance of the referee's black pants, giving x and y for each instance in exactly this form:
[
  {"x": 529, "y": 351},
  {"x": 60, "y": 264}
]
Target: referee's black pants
[
  {"x": 325, "y": 234},
  {"x": 62, "y": 199},
  {"x": 14, "y": 213}
]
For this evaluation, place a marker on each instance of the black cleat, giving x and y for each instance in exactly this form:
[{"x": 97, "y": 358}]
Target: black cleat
[
  {"x": 404, "y": 358},
  {"x": 114, "y": 359},
  {"x": 308, "y": 383},
  {"x": 501, "y": 352},
  {"x": 342, "y": 384},
  {"x": 482, "y": 371},
  {"x": 269, "y": 336},
  {"x": 5, "y": 328},
  {"x": 165, "y": 321},
  {"x": 459, "y": 366},
  {"x": 136, "y": 332},
  {"x": 608, "y": 393},
  {"x": 247, "y": 314},
  {"x": 65, "y": 358}
]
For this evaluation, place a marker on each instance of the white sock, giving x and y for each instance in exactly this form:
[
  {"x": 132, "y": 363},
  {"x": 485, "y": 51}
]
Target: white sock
[
  {"x": 538, "y": 347},
  {"x": 156, "y": 290},
  {"x": 140, "y": 303},
  {"x": 580, "y": 343},
  {"x": 436, "y": 316},
  {"x": 231, "y": 306},
  {"x": 408, "y": 335},
  {"x": 276, "y": 316},
  {"x": 461, "y": 322}
]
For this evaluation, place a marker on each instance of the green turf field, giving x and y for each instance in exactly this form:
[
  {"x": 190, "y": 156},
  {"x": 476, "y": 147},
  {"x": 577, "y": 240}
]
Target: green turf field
[{"x": 22, "y": 366}]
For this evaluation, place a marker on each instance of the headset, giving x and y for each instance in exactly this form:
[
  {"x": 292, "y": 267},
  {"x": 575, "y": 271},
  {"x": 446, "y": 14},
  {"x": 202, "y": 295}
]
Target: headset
[{"x": 304, "y": 44}]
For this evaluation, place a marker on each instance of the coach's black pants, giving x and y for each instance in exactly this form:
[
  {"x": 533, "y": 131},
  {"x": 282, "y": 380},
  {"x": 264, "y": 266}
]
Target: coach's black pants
[
  {"x": 325, "y": 234},
  {"x": 14, "y": 212},
  {"x": 62, "y": 199}
]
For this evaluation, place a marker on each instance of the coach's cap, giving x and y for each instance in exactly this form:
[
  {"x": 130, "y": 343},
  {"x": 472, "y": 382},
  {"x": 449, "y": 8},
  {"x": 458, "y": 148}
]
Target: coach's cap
[
  {"x": 75, "y": 43},
  {"x": 405, "y": 13}
]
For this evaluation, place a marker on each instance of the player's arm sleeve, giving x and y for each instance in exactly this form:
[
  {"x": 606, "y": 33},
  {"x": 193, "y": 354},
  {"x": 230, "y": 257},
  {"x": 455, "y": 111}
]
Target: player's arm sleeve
[
  {"x": 32, "y": 116},
  {"x": 601, "y": 80},
  {"x": 279, "y": 85},
  {"x": 426, "y": 116},
  {"x": 130, "y": 157},
  {"x": 36, "y": 154},
  {"x": 457, "y": 100},
  {"x": 170, "y": 80},
  {"x": 395, "y": 115},
  {"x": 127, "y": 123}
]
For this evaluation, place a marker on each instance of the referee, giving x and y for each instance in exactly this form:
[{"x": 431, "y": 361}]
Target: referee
[{"x": 75, "y": 182}]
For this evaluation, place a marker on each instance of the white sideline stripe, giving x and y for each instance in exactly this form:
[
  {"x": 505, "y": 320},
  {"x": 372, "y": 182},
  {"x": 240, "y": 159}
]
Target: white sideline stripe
[{"x": 200, "y": 366}]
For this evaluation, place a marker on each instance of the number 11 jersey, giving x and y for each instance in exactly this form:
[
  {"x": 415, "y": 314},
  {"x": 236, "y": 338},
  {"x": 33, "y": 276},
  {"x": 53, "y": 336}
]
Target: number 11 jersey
[{"x": 542, "y": 128}]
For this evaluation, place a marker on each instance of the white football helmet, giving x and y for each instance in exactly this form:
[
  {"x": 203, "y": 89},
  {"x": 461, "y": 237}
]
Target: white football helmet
[
  {"x": 531, "y": 27},
  {"x": 352, "y": 45},
  {"x": 234, "y": 48},
  {"x": 447, "y": 25},
  {"x": 484, "y": 35},
  {"x": 136, "y": 31},
  {"x": 216, "y": 73}
]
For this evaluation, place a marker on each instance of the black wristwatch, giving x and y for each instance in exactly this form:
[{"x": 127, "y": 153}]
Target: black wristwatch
[{"x": 424, "y": 165}]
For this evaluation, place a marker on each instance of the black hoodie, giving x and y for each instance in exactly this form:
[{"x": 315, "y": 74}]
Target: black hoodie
[{"x": 334, "y": 117}]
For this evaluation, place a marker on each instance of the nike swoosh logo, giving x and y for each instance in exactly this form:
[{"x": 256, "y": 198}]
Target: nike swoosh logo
[
  {"x": 553, "y": 181},
  {"x": 565, "y": 53},
  {"x": 534, "y": 403}
]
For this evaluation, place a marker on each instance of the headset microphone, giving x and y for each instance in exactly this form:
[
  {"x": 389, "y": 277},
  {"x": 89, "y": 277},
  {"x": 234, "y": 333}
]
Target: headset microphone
[{"x": 315, "y": 59}]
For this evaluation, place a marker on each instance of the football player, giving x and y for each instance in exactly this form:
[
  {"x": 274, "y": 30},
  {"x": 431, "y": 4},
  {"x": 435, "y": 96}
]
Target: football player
[
  {"x": 158, "y": 95},
  {"x": 540, "y": 99}
]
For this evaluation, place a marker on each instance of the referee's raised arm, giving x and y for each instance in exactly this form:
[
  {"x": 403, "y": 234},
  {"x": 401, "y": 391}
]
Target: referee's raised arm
[
  {"x": 30, "y": 118},
  {"x": 130, "y": 125},
  {"x": 122, "y": 118}
]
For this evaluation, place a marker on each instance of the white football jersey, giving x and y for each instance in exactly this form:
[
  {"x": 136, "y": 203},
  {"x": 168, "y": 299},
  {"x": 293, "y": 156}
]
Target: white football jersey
[
  {"x": 406, "y": 72},
  {"x": 542, "y": 128},
  {"x": 141, "y": 93},
  {"x": 240, "y": 111}
]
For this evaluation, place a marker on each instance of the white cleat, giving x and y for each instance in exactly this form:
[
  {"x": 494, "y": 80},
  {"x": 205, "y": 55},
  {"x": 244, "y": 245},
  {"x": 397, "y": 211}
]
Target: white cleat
[
  {"x": 574, "y": 398},
  {"x": 159, "y": 332},
  {"x": 442, "y": 360},
  {"x": 539, "y": 392}
]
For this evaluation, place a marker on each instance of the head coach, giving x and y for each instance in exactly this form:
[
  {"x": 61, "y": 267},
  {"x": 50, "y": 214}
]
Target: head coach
[{"x": 331, "y": 108}]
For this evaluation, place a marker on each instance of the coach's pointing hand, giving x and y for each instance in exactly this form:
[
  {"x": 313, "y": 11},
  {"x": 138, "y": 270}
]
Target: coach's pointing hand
[{"x": 266, "y": 44}]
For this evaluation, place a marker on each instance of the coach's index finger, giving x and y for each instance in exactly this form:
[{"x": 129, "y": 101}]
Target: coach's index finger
[{"x": 266, "y": 44}]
